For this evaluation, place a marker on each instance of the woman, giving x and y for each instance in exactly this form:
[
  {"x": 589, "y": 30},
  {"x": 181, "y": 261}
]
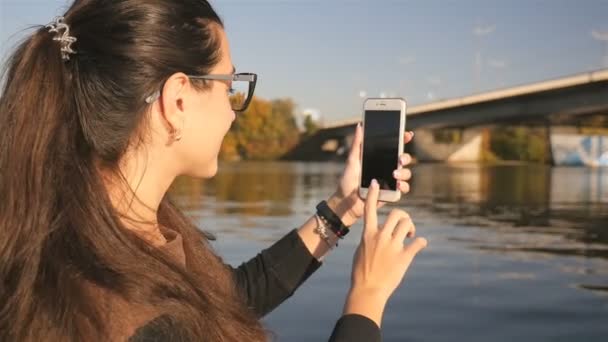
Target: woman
[{"x": 101, "y": 110}]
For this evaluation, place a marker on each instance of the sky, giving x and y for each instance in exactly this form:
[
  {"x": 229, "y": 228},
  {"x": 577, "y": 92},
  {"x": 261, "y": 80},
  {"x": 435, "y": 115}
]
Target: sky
[{"x": 329, "y": 55}]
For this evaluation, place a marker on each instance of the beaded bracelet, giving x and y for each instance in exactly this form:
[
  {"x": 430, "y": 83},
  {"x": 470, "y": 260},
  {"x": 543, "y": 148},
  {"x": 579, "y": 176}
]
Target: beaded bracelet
[{"x": 321, "y": 229}]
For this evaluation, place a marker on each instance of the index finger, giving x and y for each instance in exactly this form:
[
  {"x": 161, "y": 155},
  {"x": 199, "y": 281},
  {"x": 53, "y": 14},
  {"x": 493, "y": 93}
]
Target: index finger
[{"x": 371, "y": 208}]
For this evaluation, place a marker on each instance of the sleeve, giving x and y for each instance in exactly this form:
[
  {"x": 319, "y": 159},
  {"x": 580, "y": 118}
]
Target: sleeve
[
  {"x": 275, "y": 273},
  {"x": 354, "y": 328}
]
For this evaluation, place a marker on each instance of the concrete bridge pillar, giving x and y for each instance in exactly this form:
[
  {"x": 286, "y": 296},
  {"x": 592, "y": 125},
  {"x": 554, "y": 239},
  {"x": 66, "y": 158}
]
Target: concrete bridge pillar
[{"x": 449, "y": 145}]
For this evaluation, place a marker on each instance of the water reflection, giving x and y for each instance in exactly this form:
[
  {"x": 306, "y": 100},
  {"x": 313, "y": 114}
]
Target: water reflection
[
  {"x": 564, "y": 209},
  {"x": 511, "y": 246},
  {"x": 548, "y": 210},
  {"x": 520, "y": 185},
  {"x": 256, "y": 189}
]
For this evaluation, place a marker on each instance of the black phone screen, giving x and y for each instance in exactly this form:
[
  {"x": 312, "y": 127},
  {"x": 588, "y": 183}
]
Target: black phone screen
[{"x": 380, "y": 148}]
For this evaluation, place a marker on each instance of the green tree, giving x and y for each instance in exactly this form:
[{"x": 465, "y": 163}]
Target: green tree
[
  {"x": 310, "y": 125},
  {"x": 519, "y": 143}
]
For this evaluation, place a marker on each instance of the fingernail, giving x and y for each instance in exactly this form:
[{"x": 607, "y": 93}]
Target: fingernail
[
  {"x": 374, "y": 183},
  {"x": 396, "y": 173},
  {"x": 412, "y": 133}
]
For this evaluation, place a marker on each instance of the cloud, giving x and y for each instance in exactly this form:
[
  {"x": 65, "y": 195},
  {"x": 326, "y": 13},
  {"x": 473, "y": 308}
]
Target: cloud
[
  {"x": 599, "y": 35},
  {"x": 362, "y": 93},
  {"x": 314, "y": 113},
  {"x": 497, "y": 63},
  {"x": 484, "y": 30},
  {"x": 407, "y": 60}
]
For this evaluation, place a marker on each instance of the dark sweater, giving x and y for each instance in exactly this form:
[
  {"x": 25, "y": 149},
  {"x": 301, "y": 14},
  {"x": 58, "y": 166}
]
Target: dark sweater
[{"x": 268, "y": 280}]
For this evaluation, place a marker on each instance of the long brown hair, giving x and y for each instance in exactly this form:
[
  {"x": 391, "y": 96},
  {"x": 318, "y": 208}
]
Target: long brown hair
[{"x": 60, "y": 122}]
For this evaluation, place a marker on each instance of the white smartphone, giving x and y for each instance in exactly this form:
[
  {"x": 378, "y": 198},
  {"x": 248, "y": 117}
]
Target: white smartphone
[{"x": 383, "y": 130}]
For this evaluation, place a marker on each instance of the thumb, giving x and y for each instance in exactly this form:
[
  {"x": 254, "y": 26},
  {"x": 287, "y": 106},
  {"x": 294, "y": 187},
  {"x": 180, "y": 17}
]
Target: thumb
[{"x": 355, "y": 148}]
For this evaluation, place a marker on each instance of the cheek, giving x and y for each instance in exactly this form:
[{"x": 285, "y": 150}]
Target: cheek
[
  {"x": 215, "y": 110},
  {"x": 218, "y": 109},
  {"x": 207, "y": 132},
  {"x": 209, "y": 125},
  {"x": 200, "y": 150},
  {"x": 223, "y": 106}
]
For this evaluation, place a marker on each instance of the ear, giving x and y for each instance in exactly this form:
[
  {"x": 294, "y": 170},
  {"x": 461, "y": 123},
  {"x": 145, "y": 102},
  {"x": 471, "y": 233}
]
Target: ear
[{"x": 172, "y": 102}]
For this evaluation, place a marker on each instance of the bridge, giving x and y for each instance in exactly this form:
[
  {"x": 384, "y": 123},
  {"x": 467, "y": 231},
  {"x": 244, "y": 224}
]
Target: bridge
[{"x": 556, "y": 104}]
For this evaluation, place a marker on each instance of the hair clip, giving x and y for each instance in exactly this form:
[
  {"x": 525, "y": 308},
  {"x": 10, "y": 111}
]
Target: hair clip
[
  {"x": 65, "y": 39},
  {"x": 150, "y": 99}
]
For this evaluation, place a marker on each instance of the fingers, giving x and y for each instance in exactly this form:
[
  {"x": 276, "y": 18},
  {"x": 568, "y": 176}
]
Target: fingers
[
  {"x": 371, "y": 208},
  {"x": 394, "y": 217},
  {"x": 355, "y": 148},
  {"x": 405, "y": 228},
  {"x": 402, "y": 174},
  {"x": 404, "y": 187},
  {"x": 405, "y": 159},
  {"x": 408, "y": 136},
  {"x": 413, "y": 248}
]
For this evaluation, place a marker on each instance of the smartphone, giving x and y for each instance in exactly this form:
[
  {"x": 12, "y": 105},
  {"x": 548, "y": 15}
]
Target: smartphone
[{"x": 383, "y": 130}]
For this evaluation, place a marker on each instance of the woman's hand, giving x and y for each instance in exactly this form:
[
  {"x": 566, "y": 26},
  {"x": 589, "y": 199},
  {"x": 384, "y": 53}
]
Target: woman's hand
[
  {"x": 345, "y": 202},
  {"x": 381, "y": 259}
]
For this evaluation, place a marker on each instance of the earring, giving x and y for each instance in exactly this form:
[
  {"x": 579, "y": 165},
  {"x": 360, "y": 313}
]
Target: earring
[
  {"x": 178, "y": 132},
  {"x": 176, "y": 135}
]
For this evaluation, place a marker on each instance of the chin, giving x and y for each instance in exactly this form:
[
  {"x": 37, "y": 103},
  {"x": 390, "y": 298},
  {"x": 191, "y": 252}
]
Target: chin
[{"x": 208, "y": 170}]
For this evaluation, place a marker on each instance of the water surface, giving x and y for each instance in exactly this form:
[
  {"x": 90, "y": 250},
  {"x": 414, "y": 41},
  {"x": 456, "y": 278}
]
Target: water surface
[{"x": 515, "y": 251}]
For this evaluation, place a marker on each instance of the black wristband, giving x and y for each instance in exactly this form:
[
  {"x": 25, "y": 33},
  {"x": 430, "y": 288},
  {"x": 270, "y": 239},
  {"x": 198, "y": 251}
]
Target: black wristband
[{"x": 335, "y": 223}]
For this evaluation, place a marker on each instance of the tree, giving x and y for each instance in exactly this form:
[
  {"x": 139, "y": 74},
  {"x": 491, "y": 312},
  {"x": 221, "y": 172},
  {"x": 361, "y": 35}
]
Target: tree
[
  {"x": 266, "y": 130},
  {"x": 310, "y": 126}
]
